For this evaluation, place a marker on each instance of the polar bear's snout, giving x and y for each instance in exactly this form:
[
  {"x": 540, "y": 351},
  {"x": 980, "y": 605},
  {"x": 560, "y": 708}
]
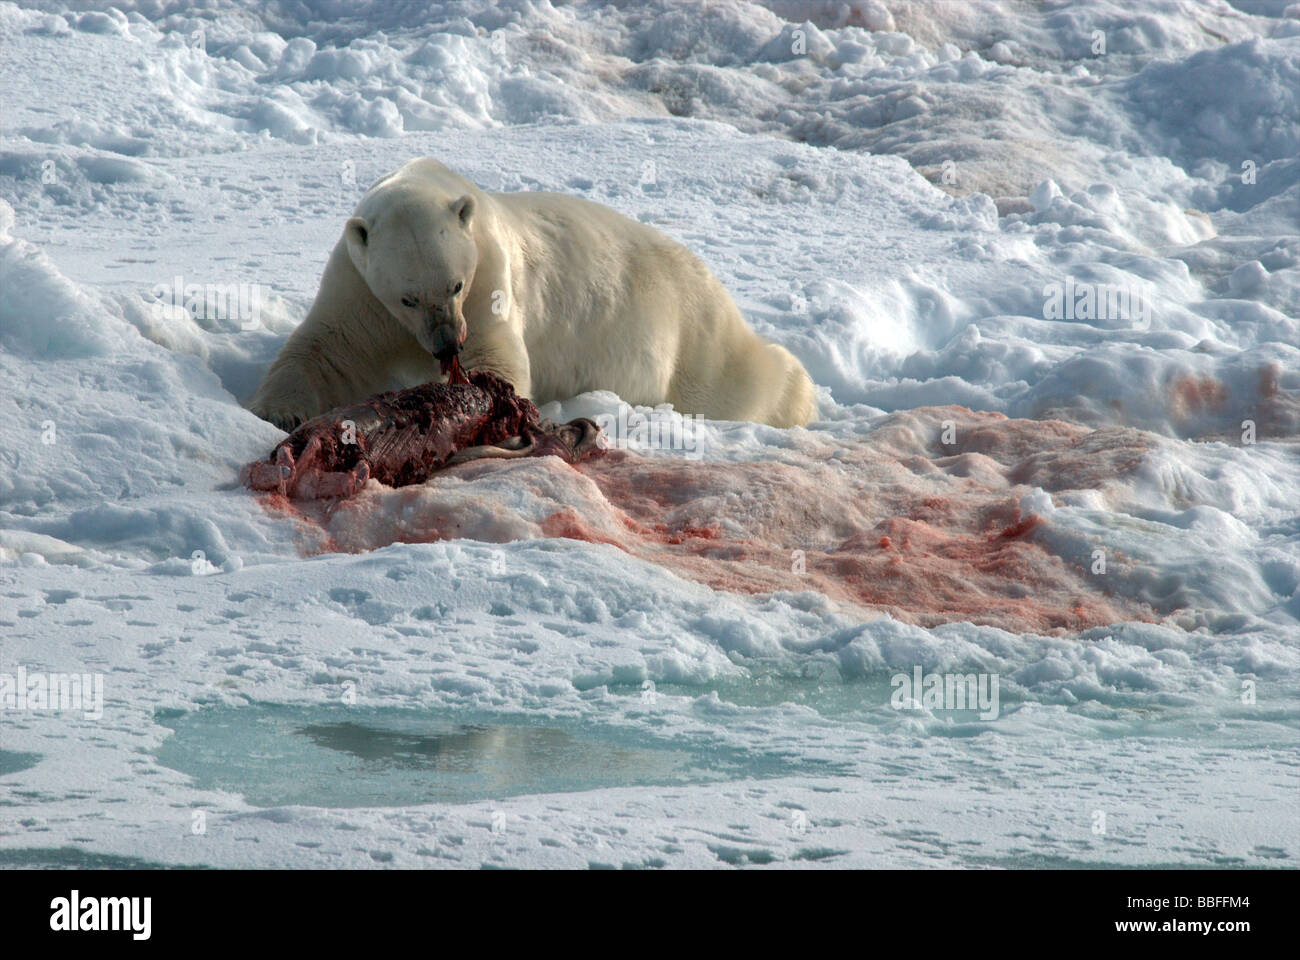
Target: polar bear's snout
[{"x": 443, "y": 333}]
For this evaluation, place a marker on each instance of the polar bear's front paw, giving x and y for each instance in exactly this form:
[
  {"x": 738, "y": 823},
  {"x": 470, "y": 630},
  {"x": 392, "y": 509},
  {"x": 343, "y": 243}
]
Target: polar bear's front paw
[{"x": 284, "y": 418}]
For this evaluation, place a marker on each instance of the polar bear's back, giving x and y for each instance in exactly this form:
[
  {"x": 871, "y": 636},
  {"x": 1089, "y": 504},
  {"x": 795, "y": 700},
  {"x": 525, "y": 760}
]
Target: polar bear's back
[
  {"x": 624, "y": 306},
  {"x": 615, "y": 257}
]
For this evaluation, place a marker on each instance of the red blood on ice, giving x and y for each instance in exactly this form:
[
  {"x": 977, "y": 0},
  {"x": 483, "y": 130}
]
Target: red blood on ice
[
  {"x": 896, "y": 521},
  {"x": 1210, "y": 409},
  {"x": 567, "y": 524},
  {"x": 1190, "y": 396},
  {"x": 872, "y": 529},
  {"x": 927, "y": 560}
]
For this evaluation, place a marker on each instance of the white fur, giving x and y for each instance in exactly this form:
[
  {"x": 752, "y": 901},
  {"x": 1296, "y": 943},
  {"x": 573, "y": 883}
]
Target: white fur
[{"x": 559, "y": 296}]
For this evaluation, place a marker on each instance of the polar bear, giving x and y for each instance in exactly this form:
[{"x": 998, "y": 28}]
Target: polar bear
[{"x": 556, "y": 294}]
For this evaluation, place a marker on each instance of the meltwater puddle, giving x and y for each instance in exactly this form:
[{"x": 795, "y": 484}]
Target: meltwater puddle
[
  {"x": 11, "y": 762},
  {"x": 279, "y": 755}
]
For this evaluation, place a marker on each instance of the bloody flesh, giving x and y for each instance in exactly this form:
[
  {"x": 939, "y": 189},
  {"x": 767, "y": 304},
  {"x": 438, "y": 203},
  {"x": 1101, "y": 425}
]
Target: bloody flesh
[{"x": 404, "y": 436}]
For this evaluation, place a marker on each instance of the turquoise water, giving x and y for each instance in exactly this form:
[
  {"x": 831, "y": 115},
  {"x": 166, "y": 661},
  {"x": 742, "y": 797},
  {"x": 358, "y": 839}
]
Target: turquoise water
[
  {"x": 11, "y": 762},
  {"x": 71, "y": 858},
  {"x": 278, "y": 755}
]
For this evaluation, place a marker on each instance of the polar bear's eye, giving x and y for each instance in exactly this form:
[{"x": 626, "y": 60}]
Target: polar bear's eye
[
  {"x": 456, "y": 289},
  {"x": 409, "y": 301}
]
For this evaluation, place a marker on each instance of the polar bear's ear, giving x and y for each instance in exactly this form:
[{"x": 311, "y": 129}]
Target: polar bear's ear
[
  {"x": 464, "y": 209},
  {"x": 357, "y": 233}
]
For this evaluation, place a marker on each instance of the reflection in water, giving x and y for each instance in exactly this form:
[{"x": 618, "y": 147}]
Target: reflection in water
[
  {"x": 504, "y": 757},
  {"x": 458, "y": 750},
  {"x": 11, "y": 762},
  {"x": 277, "y": 755}
]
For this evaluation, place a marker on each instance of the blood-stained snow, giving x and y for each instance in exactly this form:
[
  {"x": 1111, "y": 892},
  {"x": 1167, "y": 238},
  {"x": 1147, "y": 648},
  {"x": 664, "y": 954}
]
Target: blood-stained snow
[
  {"x": 1048, "y": 286},
  {"x": 895, "y": 522}
]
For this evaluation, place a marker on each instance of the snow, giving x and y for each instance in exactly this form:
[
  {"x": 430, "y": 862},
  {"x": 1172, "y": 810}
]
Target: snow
[{"x": 670, "y": 657}]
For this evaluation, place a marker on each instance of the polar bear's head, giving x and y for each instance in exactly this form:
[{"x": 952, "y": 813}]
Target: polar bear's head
[{"x": 418, "y": 257}]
